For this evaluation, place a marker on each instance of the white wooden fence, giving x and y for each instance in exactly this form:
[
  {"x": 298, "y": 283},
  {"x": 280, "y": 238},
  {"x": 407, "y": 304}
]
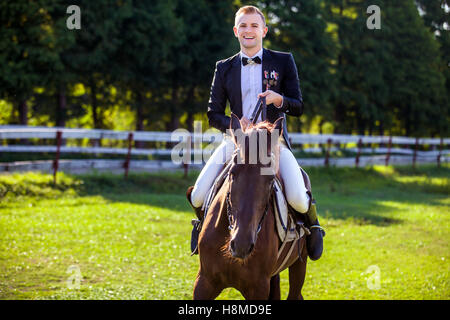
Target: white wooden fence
[{"x": 393, "y": 150}]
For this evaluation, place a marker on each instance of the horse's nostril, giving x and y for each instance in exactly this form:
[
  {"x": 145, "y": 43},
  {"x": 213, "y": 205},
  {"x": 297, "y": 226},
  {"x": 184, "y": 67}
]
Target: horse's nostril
[{"x": 251, "y": 248}]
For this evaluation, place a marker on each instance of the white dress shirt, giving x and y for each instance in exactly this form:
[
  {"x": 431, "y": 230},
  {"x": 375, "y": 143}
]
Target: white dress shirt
[{"x": 251, "y": 85}]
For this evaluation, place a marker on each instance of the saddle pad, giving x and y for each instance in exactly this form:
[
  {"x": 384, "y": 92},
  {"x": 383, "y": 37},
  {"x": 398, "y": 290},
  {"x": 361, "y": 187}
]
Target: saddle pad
[{"x": 284, "y": 222}]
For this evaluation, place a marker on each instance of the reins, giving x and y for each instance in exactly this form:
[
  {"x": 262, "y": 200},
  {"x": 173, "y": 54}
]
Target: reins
[
  {"x": 229, "y": 207},
  {"x": 260, "y": 107}
]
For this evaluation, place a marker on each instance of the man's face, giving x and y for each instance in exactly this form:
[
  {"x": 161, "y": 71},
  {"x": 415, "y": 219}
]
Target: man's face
[{"x": 250, "y": 30}]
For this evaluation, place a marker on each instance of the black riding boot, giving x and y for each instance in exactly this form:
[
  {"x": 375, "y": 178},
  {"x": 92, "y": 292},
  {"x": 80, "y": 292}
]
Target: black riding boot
[
  {"x": 314, "y": 241},
  {"x": 195, "y": 222}
]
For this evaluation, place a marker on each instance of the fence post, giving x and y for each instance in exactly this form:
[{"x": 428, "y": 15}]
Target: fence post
[
  {"x": 415, "y": 152},
  {"x": 441, "y": 146},
  {"x": 58, "y": 150},
  {"x": 388, "y": 156},
  {"x": 327, "y": 156},
  {"x": 359, "y": 152},
  {"x": 126, "y": 165}
]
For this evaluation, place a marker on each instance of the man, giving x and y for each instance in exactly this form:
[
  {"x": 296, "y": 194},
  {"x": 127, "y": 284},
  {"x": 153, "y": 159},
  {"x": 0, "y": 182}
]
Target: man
[{"x": 239, "y": 79}]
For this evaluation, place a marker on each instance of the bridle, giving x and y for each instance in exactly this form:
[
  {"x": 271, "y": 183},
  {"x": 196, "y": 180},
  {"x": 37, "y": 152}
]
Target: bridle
[
  {"x": 229, "y": 208},
  {"x": 261, "y": 107}
]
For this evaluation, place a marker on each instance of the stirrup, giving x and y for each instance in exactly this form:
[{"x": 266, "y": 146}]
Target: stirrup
[{"x": 316, "y": 226}]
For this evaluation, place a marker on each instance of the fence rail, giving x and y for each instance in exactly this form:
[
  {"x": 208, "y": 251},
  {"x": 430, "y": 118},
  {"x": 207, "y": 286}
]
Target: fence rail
[
  {"x": 161, "y": 136},
  {"x": 406, "y": 150}
]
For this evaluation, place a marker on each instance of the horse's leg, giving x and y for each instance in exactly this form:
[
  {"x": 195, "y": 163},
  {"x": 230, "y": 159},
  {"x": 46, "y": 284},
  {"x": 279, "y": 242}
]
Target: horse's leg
[
  {"x": 257, "y": 291},
  {"x": 274, "y": 293},
  {"x": 204, "y": 289},
  {"x": 297, "y": 272}
]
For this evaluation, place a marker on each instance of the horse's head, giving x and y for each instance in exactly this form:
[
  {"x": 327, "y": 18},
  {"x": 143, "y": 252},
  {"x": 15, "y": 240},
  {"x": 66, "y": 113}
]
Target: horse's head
[{"x": 251, "y": 177}]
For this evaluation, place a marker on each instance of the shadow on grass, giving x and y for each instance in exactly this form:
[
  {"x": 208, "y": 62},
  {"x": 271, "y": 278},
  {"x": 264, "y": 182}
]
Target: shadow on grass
[
  {"x": 342, "y": 193},
  {"x": 371, "y": 213},
  {"x": 356, "y": 194}
]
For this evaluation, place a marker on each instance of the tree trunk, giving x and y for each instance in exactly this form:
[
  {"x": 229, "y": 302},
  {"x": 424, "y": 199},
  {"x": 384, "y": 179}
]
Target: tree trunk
[
  {"x": 407, "y": 123},
  {"x": 95, "y": 119},
  {"x": 189, "y": 101},
  {"x": 360, "y": 123},
  {"x": 339, "y": 118},
  {"x": 381, "y": 128},
  {"x": 23, "y": 112},
  {"x": 321, "y": 126},
  {"x": 23, "y": 118},
  {"x": 190, "y": 121},
  {"x": 61, "y": 107},
  {"x": 139, "y": 117},
  {"x": 94, "y": 102},
  {"x": 174, "y": 121}
]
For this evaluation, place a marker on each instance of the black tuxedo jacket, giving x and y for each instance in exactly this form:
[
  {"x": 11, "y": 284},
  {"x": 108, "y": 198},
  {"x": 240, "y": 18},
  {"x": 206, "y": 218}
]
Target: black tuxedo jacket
[{"x": 226, "y": 85}]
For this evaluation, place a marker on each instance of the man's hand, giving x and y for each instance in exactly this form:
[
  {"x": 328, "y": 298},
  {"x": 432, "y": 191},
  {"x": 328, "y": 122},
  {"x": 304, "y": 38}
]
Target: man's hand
[{"x": 272, "y": 97}]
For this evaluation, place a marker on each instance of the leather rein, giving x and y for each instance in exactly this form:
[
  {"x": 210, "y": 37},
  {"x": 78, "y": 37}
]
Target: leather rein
[{"x": 229, "y": 208}]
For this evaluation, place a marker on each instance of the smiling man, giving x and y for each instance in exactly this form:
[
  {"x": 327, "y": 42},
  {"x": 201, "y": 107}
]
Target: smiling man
[{"x": 240, "y": 80}]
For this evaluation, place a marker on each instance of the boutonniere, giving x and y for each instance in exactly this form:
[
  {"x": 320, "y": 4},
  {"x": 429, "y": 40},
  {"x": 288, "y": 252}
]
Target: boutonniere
[{"x": 270, "y": 78}]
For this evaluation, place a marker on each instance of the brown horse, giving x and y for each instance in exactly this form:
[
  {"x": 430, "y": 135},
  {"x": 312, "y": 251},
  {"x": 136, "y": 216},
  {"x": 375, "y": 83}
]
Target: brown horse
[{"x": 238, "y": 244}]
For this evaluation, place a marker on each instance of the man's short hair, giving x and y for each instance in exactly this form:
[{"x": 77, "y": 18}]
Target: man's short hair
[{"x": 248, "y": 10}]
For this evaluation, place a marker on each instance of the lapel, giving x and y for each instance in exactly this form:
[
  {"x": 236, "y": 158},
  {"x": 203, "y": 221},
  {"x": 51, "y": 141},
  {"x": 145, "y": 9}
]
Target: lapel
[
  {"x": 235, "y": 77},
  {"x": 236, "y": 93},
  {"x": 266, "y": 65},
  {"x": 269, "y": 64}
]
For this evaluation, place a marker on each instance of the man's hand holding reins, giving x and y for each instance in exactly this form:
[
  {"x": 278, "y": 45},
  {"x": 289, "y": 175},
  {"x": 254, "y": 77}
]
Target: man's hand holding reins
[{"x": 272, "y": 97}]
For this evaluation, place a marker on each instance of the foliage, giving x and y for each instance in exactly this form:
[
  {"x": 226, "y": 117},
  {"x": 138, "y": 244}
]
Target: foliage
[
  {"x": 155, "y": 60},
  {"x": 299, "y": 27}
]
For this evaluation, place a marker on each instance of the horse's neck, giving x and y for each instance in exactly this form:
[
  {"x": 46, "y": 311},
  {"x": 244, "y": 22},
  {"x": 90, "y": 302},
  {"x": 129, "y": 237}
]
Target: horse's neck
[{"x": 218, "y": 209}]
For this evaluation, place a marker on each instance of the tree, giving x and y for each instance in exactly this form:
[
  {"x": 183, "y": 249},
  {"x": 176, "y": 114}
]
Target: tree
[
  {"x": 149, "y": 30},
  {"x": 91, "y": 59},
  {"x": 53, "y": 100},
  {"x": 28, "y": 55},
  {"x": 299, "y": 27},
  {"x": 208, "y": 37},
  {"x": 385, "y": 76},
  {"x": 414, "y": 75},
  {"x": 436, "y": 17}
]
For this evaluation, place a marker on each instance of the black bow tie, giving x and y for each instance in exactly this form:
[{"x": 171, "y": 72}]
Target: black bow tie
[{"x": 246, "y": 61}]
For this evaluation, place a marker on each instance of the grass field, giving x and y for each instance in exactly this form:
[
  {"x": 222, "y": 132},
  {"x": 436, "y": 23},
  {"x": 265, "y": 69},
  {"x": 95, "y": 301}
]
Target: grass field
[{"x": 388, "y": 232}]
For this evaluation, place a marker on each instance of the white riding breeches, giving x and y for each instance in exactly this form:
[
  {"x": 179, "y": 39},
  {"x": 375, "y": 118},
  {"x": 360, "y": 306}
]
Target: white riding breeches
[{"x": 289, "y": 170}]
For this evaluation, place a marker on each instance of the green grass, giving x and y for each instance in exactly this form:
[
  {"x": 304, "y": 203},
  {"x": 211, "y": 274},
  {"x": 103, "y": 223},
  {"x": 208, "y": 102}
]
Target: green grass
[{"x": 130, "y": 238}]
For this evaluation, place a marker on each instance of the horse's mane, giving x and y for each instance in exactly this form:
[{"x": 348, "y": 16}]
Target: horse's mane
[{"x": 260, "y": 125}]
